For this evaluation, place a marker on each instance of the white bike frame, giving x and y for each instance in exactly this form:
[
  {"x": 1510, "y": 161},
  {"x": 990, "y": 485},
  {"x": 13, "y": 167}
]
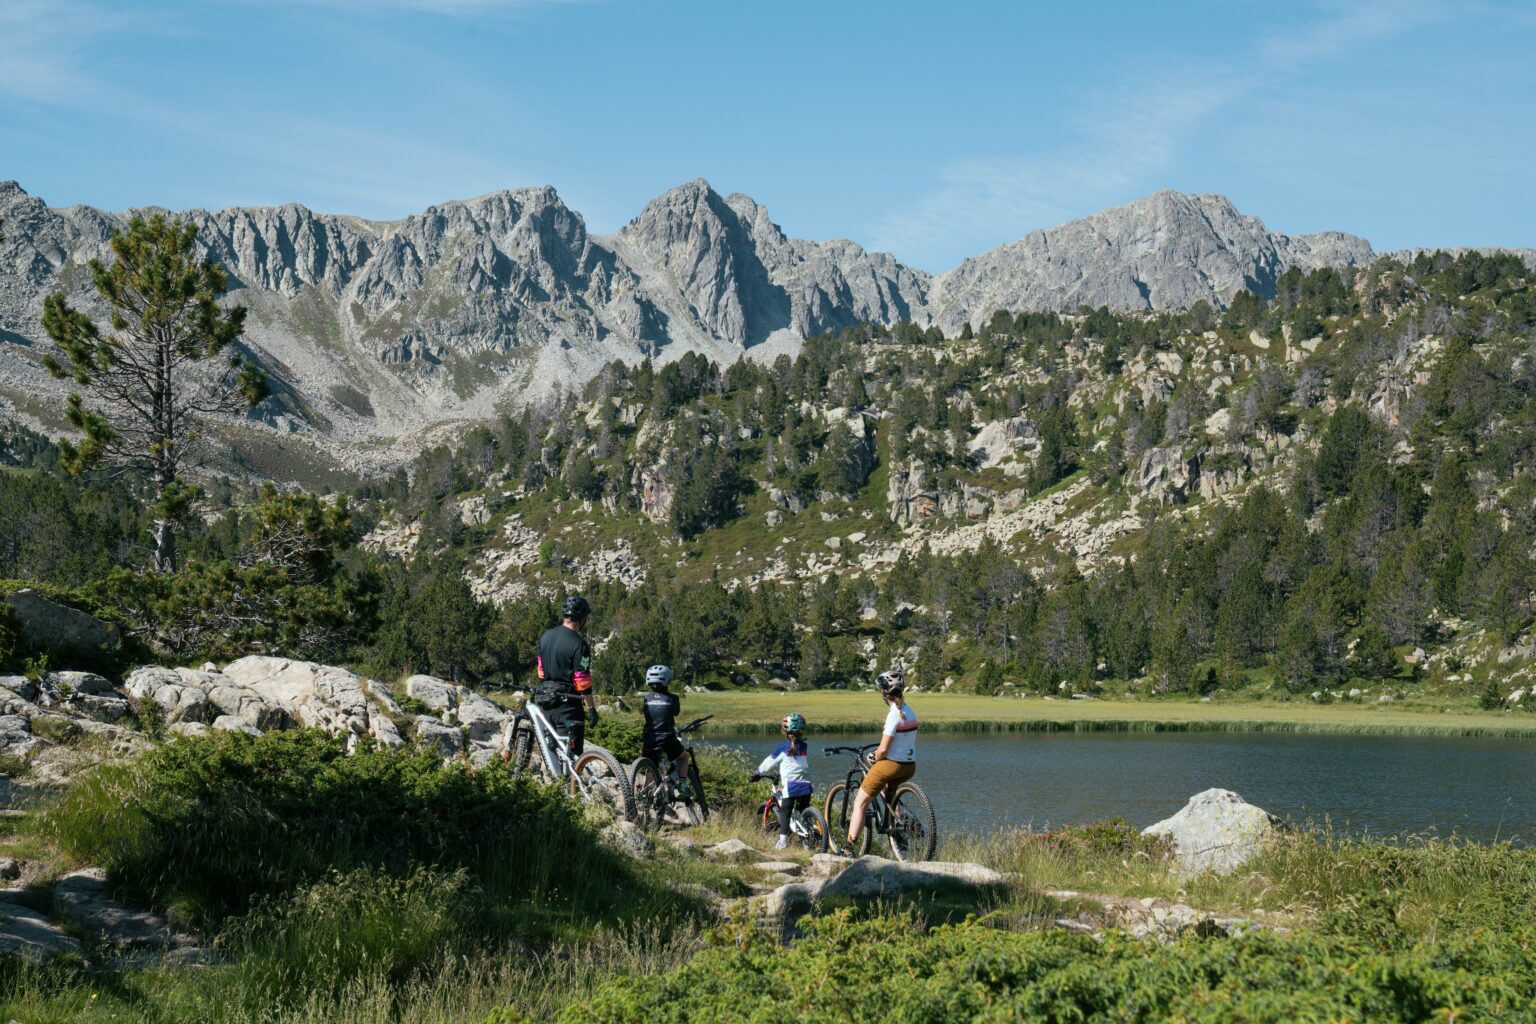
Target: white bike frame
[
  {"x": 794, "y": 818},
  {"x": 553, "y": 747}
]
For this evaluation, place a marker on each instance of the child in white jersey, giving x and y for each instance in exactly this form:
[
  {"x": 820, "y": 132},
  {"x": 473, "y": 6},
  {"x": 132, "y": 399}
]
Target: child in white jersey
[
  {"x": 789, "y": 762},
  {"x": 895, "y": 760}
]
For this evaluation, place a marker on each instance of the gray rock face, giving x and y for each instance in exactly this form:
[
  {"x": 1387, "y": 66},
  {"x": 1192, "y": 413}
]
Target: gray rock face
[
  {"x": 744, "y": 281},
  {"x": 373, "y": 329},
  {"x": 81, "y": 897},
  {"x": 65, "y": 634},
  {"x": 1166, "y": 476},
  {"x": 27, "y": 934},
  {"x": 1166, "y": 251},
  {"x": 1216, "y": 831}
]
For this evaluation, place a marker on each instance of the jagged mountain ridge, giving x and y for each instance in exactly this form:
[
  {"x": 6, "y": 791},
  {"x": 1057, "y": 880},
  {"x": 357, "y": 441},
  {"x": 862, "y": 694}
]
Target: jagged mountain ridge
[{"x": 386, "y": 331}]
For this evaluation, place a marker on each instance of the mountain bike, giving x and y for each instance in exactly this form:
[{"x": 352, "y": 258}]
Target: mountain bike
[
  {"x": 660, "y": 797},
  {"x": 594, "y": 777},
  {"x": 907, "y": 821},
  {"x": 808, "y": 827}
]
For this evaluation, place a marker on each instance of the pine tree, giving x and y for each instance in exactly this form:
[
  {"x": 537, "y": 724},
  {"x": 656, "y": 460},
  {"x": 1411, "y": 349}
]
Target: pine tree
[{"x": 161, "y": 368}]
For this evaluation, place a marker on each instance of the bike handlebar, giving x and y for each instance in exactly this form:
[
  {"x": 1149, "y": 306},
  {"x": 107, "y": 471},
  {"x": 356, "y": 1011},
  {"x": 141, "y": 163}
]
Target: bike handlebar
[
  {"x": 829, "y": 751},
  {"x": 694, "y": 724}
]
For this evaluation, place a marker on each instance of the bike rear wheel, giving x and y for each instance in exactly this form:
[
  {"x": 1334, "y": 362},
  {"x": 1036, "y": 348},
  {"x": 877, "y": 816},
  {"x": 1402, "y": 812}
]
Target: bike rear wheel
[
  {"x": 838, "y": 814},
  {"x": 602, "y": 780},
  {"x": 650, "y": 789},
  {"x": 816, "y": 838},
  {"x": 914, "y": 834}
]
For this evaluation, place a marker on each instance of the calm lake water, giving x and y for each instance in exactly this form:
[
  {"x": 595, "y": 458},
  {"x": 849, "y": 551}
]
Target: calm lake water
[{"x": 1481, "y": 789}]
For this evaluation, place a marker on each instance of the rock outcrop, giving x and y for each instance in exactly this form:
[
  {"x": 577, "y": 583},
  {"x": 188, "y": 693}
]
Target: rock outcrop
[{"x": 874, "y": 878}]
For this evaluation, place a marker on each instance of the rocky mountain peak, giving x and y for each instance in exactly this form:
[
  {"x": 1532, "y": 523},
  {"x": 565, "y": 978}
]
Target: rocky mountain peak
[
  {"x": 389, "y": 328},
  {"x": 1165, "y": 251}
]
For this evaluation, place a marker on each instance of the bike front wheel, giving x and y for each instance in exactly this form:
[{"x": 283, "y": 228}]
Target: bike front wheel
[
  {"x": 599, "y": 778},
  {"x": 914, "y": 834},
  {"x": 521, "y": 747},
  {"x": 696, "y": 785},
  {"x": 838, "y": 815},
  {"x": 650, "y": 789}
]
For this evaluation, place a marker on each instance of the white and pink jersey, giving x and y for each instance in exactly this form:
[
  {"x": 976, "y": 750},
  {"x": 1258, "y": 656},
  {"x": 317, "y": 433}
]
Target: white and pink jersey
[{"x": 901, "y": 726}]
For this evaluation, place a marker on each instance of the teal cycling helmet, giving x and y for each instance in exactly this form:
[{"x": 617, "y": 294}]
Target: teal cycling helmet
[{"x": 794, "y": 722}]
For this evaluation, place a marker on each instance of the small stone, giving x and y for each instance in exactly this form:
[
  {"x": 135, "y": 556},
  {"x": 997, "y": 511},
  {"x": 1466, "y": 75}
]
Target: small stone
[
  {"x": 731, "y": 849},
  {"x": 786, "y": 867}
]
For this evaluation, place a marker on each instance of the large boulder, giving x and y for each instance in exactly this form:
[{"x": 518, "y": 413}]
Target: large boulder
[
  {"x": 67, "y": 635},
  {"x": 481, "y": 716},
  {"x": 79, "y": 682},
  {"x": 1216, "y": 831},
  {"x": 433, "y": 734},
  {"x": 437, "y": 694}
]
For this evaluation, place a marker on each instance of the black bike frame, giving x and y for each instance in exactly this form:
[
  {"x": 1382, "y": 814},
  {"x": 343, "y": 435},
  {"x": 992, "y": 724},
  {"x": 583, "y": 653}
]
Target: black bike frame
[{"x": 879, "y": 815}]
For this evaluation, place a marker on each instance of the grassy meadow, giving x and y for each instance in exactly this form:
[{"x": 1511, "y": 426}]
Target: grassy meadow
[{"x": 861, "y": 711}]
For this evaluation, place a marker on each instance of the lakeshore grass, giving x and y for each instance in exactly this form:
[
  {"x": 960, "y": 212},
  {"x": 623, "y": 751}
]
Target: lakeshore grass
[{"x": 850, "y": 711}]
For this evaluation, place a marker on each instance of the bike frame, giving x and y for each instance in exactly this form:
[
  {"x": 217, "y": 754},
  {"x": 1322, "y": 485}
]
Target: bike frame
[
  {"x": 772, "y": 804},
  {"x": 553, "y": 747},
  {"x": 878, "y": 811}
]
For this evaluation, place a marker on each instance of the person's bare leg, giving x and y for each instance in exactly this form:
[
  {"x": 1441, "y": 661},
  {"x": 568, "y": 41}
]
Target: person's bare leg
[{"x": 856, "y": 825}]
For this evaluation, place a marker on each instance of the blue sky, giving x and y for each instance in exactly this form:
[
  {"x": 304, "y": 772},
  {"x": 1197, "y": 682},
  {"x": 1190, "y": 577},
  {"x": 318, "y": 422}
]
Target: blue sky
[{"x": 934, "y": 131}]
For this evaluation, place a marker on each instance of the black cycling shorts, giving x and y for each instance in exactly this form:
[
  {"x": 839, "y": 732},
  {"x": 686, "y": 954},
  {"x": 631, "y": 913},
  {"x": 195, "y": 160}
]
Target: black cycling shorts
[
  {"x": 569, "y": 717},
  {"x": 671, "y": 747}
]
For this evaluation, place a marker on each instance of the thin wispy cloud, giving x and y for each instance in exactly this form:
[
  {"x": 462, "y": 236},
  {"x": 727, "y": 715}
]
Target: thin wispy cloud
[
  {"x": 1125, "y": 136},
  {"x": 443, "y": 7},
  {"x": 42, "y": 45}
]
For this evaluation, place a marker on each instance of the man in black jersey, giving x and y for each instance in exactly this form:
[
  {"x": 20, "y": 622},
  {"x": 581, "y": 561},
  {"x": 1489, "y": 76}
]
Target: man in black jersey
[{"x": 565, "y": 674}]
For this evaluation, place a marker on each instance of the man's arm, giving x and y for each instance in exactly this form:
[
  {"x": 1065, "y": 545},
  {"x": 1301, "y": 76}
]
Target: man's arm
[{"x": 581, "y": 677}]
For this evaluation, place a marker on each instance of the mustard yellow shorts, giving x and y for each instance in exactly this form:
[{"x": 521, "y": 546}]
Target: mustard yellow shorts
[{"x": 887, "y": 773}]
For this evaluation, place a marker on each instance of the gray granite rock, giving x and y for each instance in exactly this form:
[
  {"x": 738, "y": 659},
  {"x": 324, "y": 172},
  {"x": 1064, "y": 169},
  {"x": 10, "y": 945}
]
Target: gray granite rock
[{"x": 1216, "y": 831}]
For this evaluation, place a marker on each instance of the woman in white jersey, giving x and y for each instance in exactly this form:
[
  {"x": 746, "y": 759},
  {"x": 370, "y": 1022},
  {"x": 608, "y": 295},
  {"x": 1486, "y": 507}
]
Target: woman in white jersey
[{"x": 895, "y": 759}]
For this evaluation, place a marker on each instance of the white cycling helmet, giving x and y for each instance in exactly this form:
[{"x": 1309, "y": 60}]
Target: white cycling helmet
[{"x": 658, "y": 676}]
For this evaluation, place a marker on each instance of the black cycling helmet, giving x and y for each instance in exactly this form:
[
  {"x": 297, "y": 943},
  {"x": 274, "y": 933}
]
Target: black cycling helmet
[
  {"x": 575, "y": 607},
  {"x": 658, "y": 676},
  {"x": 890, "y": 684}
]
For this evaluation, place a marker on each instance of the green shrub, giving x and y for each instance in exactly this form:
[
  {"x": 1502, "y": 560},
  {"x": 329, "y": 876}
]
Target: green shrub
[
  {"x": 13, "y": 648},
  {"x": 215, "y": 825},
  {"x": 725, "y": 772},
  {"x": 1110, "y": 835},
  {"x": 888, "y": 968},
  {"x": 351, "y": 925},
  {"x": 620, "y": 734}
]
